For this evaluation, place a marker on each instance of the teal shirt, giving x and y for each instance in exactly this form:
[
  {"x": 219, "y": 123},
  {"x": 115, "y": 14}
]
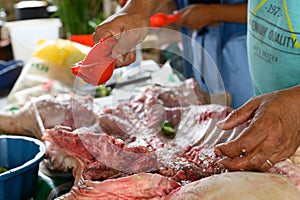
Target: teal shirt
[{"x": 273, "y": 44}]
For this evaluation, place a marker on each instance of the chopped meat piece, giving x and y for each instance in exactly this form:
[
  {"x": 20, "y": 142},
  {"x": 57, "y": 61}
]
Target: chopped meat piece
[
  {"x": 137, "y": 186},
  {"x": 98, "y": 156}
]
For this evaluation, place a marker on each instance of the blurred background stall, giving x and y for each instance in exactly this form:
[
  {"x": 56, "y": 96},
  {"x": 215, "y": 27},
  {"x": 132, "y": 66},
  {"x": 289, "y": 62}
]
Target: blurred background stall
[{"x": 24, "y": 24}]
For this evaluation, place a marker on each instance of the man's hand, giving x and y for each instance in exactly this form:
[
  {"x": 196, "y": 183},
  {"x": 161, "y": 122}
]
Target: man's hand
[
  {"x": 129, "y": 27},
  {"x": 273, "y": 133},
  {"x": 128, "y": 31}
]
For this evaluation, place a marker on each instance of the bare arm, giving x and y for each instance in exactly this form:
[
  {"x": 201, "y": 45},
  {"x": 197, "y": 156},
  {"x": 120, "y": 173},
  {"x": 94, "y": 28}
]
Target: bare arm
[
  {"x": 198, "y": 16},
  {"x": 230, "y": 13}
]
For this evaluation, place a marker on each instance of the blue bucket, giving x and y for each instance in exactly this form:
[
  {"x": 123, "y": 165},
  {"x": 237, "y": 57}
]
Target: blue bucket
[
  {"x": 21, "y": 155},
  {"x": 9, "y": 73}
]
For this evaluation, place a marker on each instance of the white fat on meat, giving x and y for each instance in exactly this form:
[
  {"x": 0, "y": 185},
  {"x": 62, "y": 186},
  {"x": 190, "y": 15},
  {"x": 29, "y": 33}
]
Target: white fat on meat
[{"x": 238, "y": 186}]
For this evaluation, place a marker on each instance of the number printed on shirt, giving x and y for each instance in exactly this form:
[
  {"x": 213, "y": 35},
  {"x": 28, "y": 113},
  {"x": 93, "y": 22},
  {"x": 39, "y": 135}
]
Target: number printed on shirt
[{"x": 274, "y": 10}]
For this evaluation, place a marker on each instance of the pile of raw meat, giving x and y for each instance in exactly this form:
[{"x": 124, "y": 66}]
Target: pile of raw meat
[{"x": 122, "y": 153}]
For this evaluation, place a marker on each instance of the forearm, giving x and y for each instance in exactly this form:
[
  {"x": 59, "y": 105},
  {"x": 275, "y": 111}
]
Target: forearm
[
  {"x": 230, "y": 13},
  {"x": 147, "y": 7}
]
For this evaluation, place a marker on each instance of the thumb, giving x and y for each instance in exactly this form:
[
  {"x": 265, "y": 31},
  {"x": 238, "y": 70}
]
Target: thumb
[{"x": 128, "y": 40}]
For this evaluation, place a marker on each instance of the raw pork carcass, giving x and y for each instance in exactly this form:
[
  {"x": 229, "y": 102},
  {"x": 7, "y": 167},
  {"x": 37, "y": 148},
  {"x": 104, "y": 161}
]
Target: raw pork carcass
[
  {"x": 143, "y": 147},
  {"x": 93, "y": 176},
  {"x": 129, "y": 141},
  {"x": 75, "y": 111}
]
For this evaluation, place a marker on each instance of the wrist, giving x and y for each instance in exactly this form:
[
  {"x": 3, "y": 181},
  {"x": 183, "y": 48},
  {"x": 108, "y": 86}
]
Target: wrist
[
  {"x": 291, "y": 97},
  {"x": 143, "y": 7}
]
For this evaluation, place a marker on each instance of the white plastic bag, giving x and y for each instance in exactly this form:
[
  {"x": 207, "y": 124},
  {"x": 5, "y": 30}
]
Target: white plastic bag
[{"x": 48, "y": 70}]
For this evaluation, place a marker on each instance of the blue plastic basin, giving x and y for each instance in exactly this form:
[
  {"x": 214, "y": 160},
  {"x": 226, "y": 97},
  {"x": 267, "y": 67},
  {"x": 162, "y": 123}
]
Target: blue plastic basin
[
  {"x": 21, "y": 155},
  {"x": 9, "y": 73}
]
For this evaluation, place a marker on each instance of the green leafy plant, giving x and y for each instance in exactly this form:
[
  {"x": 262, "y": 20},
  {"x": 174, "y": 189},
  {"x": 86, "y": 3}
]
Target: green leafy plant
[{"x": 79, "y": 16}]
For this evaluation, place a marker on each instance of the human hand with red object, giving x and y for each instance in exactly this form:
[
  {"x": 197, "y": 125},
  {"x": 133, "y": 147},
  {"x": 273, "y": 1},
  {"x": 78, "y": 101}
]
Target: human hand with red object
[
  {"x": 273, "y": 133},
  {"x": 98, "y": 65},
  {"x": 129, "y": 27}
]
